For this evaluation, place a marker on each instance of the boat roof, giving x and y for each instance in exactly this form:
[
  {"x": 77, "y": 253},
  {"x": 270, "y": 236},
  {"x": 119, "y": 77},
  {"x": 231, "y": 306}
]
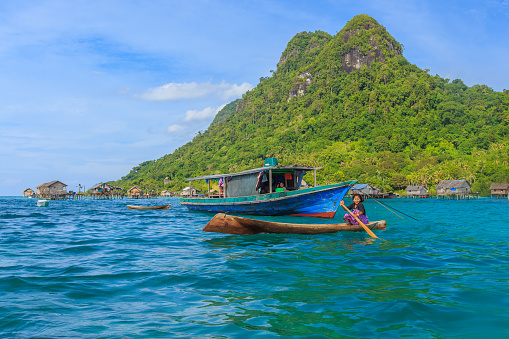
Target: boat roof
[{"x": 255, "y": 170}]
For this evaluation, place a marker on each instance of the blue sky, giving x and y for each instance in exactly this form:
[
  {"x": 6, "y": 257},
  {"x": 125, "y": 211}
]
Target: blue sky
[{"x": 92, "y": 88}]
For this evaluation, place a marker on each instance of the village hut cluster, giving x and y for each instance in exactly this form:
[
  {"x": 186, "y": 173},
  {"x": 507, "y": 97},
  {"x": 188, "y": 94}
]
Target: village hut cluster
[
  {"x": 446, "y": 189},
  {"x": 57, "y": 190},
  {"x": 107, "y": 191},
  {"x": 53, "y": 190}
]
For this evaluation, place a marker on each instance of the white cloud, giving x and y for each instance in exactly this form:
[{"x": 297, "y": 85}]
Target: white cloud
[
  {"x": 206, "y": 113},
  {"x": 236, "y": 91},
  {"x": 176, "y": 128},
  {"x": 177, "y": 91}
]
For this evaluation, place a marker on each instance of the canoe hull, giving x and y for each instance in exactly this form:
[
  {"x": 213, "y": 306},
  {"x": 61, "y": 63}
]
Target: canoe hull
[
  {"x": 163, "y": 207},
  {"x": 228, "y": 224},
  {"x": 321, "y": 201}
]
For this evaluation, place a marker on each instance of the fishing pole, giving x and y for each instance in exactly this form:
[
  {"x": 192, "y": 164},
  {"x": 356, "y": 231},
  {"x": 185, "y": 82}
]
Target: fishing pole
[{"x": 395, "y": 209}]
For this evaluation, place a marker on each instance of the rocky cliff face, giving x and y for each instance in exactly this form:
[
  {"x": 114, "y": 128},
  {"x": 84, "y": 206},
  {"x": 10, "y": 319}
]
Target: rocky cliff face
[
  {"x": 360, "y": 43},
  {"x": 355, "y": 59},
  {"x": 301, "y": 85}
]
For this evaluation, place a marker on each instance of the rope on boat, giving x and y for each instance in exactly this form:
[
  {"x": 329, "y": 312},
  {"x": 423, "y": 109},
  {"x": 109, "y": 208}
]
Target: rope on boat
[{"x": 394, "y": 209}]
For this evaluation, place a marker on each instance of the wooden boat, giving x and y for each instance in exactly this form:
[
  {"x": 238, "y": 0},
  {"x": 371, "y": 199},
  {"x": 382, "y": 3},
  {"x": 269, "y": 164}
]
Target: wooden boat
[
  {"x": 247, "y": 193},
  {"x": 163, "y": 207},
  {"x": 229, "y": 224}
]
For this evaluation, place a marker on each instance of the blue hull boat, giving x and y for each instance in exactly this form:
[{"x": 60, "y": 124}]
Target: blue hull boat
[
  {"x": 243, "y": 193},
  {"x": 321, "y": 201}
]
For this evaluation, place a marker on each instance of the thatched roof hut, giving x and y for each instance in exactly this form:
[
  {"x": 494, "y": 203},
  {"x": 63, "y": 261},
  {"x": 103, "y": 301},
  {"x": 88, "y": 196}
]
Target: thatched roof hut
[
  {"x": 500, "y": 189},
  {"x": 453, "y": 187},
  {"x": 51, "y": 189},
  {"x": 28, "y": 192},
  {"x": 101, "y": 189},
  {"x": 416, "y": 190},
  {"x": 134, "y": 192}
]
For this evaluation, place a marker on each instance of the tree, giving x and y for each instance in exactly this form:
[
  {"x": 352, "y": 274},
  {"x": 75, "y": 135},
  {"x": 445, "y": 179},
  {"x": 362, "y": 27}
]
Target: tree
[
  {"x": 381, "y": 143},
  {"x": 398, "y": 181}
]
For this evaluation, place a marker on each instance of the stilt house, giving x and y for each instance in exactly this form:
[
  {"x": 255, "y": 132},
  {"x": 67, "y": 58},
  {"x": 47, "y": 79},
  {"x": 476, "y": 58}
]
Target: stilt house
[
  {"x": 416, "y": 191},
  {"x": 365, "y": 190},
  {"x": 499, "y": 190},
  {"x": 101, "y": 189},
  {"x": 28, "y": 193},
  {"x": 453, "y": 187},
  {"x": 186, "y": 192},
  {"x": 52, "y": 190},
  {"x": 134, "y": 192}
]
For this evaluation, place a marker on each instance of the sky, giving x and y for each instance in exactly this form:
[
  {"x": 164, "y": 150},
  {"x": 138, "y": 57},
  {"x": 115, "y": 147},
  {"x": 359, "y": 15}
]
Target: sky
[{"x": 92, "y": 88}]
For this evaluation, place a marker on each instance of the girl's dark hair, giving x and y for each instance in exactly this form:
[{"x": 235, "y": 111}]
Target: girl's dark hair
[{"x": 358, "y": 195}]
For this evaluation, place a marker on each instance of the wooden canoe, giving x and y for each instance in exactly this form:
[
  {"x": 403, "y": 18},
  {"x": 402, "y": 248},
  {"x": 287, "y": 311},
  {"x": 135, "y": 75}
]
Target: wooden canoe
[
  {"x": 163, "y": 207},
  {"x": 228, "y": 224}
]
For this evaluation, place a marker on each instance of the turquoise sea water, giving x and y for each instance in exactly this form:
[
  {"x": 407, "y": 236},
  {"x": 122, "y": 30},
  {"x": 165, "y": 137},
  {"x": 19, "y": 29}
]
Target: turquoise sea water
[{"x": 94, "y": 269}]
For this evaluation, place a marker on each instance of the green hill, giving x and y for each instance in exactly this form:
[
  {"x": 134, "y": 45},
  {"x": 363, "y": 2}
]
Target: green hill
[{"x": 353, "y": 104}]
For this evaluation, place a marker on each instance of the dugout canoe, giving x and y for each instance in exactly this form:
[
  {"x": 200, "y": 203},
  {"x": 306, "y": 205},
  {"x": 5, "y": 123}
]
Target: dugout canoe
[
  {"x": 163, "y": 207},
  {"x": 229, "y": 224}
]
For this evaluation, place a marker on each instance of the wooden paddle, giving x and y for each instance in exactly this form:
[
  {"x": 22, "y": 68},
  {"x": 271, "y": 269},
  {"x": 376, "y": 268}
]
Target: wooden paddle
[{"x": 361, "y": 223}]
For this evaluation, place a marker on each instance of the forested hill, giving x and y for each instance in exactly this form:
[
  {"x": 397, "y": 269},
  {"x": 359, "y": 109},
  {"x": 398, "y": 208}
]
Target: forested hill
[{"x": 353, "y": 104}]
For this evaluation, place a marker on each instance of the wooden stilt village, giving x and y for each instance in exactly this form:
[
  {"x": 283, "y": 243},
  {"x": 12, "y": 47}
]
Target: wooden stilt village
[
  {"x": 57, "y": 190},
  {"x": 445, "y": 190}
]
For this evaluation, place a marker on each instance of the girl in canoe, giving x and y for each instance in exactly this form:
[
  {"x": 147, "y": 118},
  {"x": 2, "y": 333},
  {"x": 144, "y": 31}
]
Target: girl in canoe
[{"x": 356, "y": 208}]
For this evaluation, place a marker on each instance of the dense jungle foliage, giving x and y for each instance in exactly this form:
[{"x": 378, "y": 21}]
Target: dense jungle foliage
[{"x": 388, "y": 123}]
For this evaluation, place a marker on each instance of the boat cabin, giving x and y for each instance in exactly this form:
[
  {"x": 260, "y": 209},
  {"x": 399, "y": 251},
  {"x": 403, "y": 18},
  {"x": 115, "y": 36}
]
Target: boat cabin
[{"x": 259, "y": 180}]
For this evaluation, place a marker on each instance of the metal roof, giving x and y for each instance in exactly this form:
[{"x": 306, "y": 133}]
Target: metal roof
[{"x": 254, "y": 170}]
